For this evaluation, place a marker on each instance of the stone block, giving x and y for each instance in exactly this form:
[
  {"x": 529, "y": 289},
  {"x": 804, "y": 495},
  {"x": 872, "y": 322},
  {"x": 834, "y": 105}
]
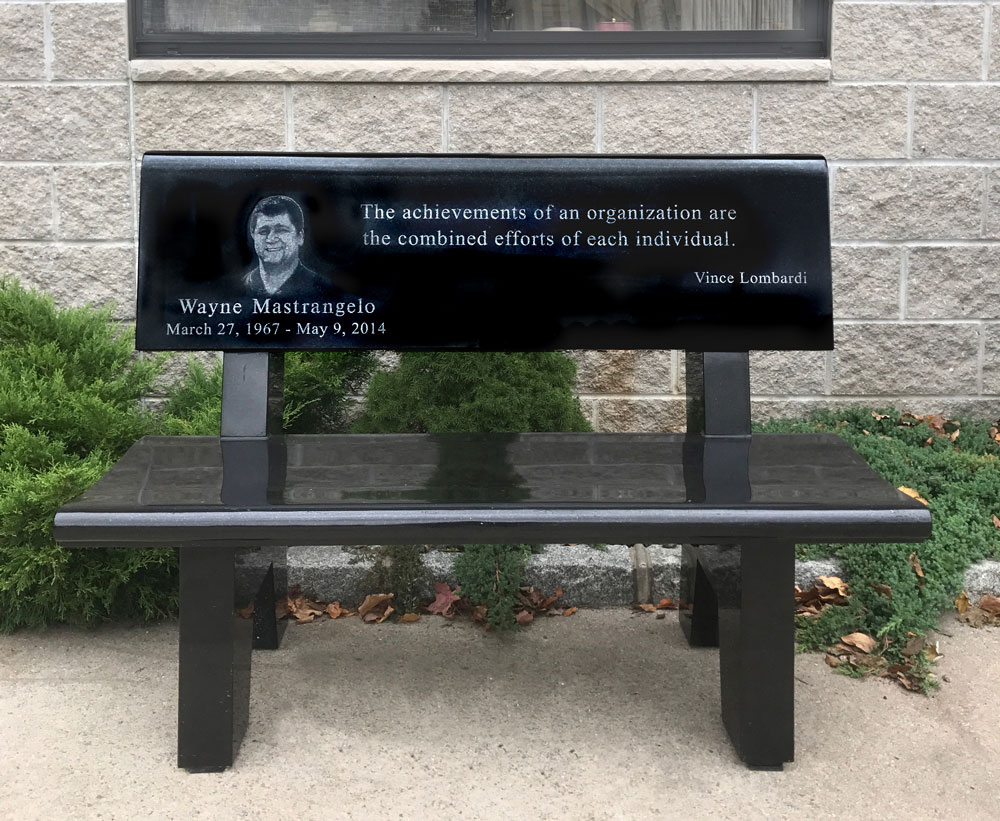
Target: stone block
[
  {"x": 209, "y": 117},
  {"x": 22, "y": 41},
  {"x": 64, "y": 123},
  {"x": 640, "y": 415},
  {"x": 89, "y": 41},
  {"x": 94, "y": 202},
  {"x": 605, "y": 371},
  {"x": 787, "y": 372},
  {"x": 866, "y": 282},
  {"x": 367, "y": 117},
  {"x": 837, "y": 121},
  {"x": 991, "y": 366},
  {"x": 907, "y": 202},
  {"x": 991, "y": 221},
  {"x": 961, "y": 282},
  {"x": 907, "y": 41},
  {"x": 995, "y": 43},
  {"x": 764, "y": 410},
  {"x": 956, "y": 121},
  {"x": 678, "y": 119},
  {"x": 534, "y": 119},
  {"x": 654, "y": 372},
  {"x": 25, "y": 202},
  {"x": 882, "y": 360},
  {"x": 76, "y": 275}
]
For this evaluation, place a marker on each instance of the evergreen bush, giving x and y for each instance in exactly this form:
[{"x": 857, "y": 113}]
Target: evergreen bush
[
  {"x": 476, "y": 393},
  {"x": 69, "y": 406},
  {"x": 960, "y": 478},
  {"x": 318, "y": 390}
]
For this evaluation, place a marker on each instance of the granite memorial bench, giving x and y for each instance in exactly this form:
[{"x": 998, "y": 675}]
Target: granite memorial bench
[{"x": 254, "y": 255}]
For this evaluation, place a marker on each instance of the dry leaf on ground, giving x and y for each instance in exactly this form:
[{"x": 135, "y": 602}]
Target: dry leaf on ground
[
  {"x": 646, "y": 608},
  {"x": 524, "y": 618},
  {"x": 862, "y": 641},
  {"x": 962, "y": 602},
  {"x": 304, "y": 609},
  {"x": 409, "y": 618},
  {"x": 913, "y": 494},
  {"x": 666, "y": 604},
  {"x": 373, "y": 600},
  {"x": 914, "y": 561},
  {"x": 569, "y": 611},
  {"x": 991, "y": 604},
  {"x": 444, "y": 600}
]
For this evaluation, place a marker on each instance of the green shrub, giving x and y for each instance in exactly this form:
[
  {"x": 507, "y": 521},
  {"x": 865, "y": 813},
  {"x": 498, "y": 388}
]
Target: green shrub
[
  {"x": 473, "y": 393},
  {"x": 69, "y": 406},
  {"x": 318, "y": 389},
  {"x": 961, "y": 481}
]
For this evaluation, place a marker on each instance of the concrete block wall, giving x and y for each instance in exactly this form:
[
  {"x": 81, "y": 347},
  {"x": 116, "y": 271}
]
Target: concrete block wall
[{"x": 907, "y": 110}]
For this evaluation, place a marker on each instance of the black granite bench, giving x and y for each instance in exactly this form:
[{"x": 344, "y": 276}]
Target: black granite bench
[{"x": 716, "y": 256}]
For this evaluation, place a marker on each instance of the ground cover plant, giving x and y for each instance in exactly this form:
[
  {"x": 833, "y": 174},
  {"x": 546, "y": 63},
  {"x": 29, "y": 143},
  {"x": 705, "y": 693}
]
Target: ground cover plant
[{"x": 898, "y": 591}]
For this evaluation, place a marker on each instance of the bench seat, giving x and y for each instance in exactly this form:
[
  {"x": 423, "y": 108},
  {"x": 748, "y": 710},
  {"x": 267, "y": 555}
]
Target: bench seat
[{"x": 453, "y": 488}]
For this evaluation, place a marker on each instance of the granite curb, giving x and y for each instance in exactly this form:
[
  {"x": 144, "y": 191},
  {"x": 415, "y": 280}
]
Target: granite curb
[{"x": 605, "y": 576}]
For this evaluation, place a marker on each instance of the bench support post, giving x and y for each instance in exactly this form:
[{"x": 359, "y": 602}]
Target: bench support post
[{"x": 214, "y": 672}]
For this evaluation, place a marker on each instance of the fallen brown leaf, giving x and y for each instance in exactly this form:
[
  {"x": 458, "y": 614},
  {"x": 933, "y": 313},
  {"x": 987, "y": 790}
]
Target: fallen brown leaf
[
  {"x": 962, "y": 602},
  {"x": 909, "y": 491},
  {"x": 524, "y": 618},
  {"x": 373, "y": 600},
  {"x": 444, "y": 600},
  {"x": 245, "y": 612},
  {"x": 303, "y": 609},
  {"x": 666, "y": 604},
  {"x": 569, "y": 611},
  {"x": 409, "y": 618},
  {"x": 883, "y": 590},
  {"x": 976, "y": 617},
  {"x": 991, "y": 604},
  {"x": 914, "y": 561},
  {"x": 863, "y": 642},
  {"x": 996, "y": 521},
  {"x": 914, "y": 646},
  {"x": 878, "y": 417},
  {"x": 835, "y": 583},
  {"x": 335, "y": 611},
  {"x": 646, "y": 608}
]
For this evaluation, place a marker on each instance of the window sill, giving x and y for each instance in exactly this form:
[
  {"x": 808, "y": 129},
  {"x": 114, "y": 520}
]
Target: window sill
[{"x": 480, "y": 71}]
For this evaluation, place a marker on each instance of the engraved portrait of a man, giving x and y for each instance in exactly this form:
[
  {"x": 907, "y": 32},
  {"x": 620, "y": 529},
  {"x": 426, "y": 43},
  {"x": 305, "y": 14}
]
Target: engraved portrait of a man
[{"x": 276, "y": 230}]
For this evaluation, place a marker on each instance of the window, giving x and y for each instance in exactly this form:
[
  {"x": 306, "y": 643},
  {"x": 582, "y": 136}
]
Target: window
[{"x": 479, "y": 28}]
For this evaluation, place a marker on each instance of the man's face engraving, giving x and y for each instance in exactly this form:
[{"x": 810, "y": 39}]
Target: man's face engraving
[{"x": 276, "y": 241}]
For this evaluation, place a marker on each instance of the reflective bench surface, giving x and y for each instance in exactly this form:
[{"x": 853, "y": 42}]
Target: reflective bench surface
[{"x": 443, "y": 488}]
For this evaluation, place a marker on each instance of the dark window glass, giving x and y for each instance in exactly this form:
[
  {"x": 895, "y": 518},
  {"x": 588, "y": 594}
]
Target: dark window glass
[{"x": 480, "y": 28}]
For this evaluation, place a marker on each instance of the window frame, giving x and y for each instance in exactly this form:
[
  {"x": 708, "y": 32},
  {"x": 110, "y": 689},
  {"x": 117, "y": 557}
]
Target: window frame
[{"x": 811, "y": 41}]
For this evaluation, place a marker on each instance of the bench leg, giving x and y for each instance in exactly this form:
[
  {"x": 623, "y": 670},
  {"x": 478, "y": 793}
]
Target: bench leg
[
  {"x": 267, "y": 630},
  {"x": 699, "y": 610},
  {"x": 214, "y": 672},
  {"x": 754, "y": 583}
]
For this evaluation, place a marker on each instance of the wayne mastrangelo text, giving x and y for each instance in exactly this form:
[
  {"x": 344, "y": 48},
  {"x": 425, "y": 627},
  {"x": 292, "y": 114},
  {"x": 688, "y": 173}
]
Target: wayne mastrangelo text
[{"x": 275, "y": 306}]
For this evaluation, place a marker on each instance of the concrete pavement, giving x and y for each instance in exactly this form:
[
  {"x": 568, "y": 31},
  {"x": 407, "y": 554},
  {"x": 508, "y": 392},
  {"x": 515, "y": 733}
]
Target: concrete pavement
[{"x": 602, "y": 715}]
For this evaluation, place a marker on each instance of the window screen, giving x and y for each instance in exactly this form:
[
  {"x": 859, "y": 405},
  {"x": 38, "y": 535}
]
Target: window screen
[{"x": 471, "y": 28}]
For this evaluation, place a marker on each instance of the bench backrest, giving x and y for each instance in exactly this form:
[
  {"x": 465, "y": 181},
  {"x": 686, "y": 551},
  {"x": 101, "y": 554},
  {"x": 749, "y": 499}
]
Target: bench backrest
[{"x": 483, "y": 252}]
